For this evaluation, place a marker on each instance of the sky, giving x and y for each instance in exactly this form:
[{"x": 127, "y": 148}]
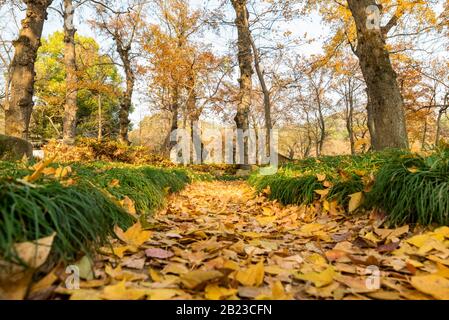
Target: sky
[{"x": 219, "y": 43}]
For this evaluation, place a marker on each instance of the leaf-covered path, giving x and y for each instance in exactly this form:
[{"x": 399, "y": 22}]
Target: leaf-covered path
[{"x": 218, "y": 240}]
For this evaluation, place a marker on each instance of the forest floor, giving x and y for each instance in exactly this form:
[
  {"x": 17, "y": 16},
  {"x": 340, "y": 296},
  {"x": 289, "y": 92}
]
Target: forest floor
[{"x": 219, "y": 240}]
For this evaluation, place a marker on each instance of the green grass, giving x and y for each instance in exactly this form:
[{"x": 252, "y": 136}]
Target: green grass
[
  {"x": 82, "y": 215},
  {"x": 408, "y": 187},
  {"x": 414, "y": 189}
]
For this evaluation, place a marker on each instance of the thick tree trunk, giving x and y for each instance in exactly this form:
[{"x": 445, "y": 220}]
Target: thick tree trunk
[
  {"x": 20, "y": 104},
  {"x": 126, "y": 101},
  {"x": 385, "y": 96},
  {"x": 71, "y": 108},
  {"x": 245, "y": 58}
]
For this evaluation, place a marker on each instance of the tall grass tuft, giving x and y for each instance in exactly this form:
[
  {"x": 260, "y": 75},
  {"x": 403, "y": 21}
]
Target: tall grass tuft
[
  {"x": 413, "y": 189},
  {"x": 82, "y": 214}
]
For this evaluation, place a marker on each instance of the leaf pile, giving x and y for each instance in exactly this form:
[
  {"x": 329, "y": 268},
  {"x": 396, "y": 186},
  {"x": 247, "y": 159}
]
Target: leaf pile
[{"x": 217, "y": 240}]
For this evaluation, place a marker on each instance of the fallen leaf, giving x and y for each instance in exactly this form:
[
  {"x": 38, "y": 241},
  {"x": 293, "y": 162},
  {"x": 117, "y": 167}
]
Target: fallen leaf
[
  {"x": 158, "y": 253},
  {"x": 134, "y": 236},
  {"x": 215, "y": 292},
  {"x": 319, "y": 279},
  {"x": 251, "y": 276},
  {"x": 434, "y": 285},
  {"x": 355, "y": 201},
  {"x": 197, "y": 278}
]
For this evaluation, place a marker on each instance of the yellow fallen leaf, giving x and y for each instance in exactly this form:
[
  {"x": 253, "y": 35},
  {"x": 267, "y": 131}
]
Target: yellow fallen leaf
[
  {"x": 251, "y": 276},
  {"x": 44, "y": 283},
  {"x": 175, "y": 268},
  {"x": 39, "y": 168},
  {"x": 276, "y": 270},
  {"x": 85, "y": 294},
  {"x": 309, "y": 229},
  {"x": 119, "y": 274},
  {"x": 129, "y": 206},
  {"x": 135, "y": 235},
  {"x": 355, "y": 201},
  {"x": 319, "y": 279},
  {"x": 155, "y": 276},
  {"x": 442, "y": 270},
  {"x": 162, "y": 294},
  {"x": 421, "y": 239},
  {"x": 267, "y": 211},
  {"x": 264, "y": 221},
  {"x": 317, "y": 260},
  {"x": 371, "y": 237},
  {"x": 277, "y": 293},
  {"x": 443, "y": 231},
  {"x": 120, "y": 251},
  {"x": 251, "y": 234},
  {"x": 214, "y": 292},
  {"x": 196, "y": 278},
  {"x": 434, "y": 285},
  {"x": 114, "y": 183},
  {"x": 320, "y": 177},
  {"x": 232, "y": 265},
  {"x": 62, "y": 172},
  {"x": 322, "y": 193},
  {"x": 119, "y": 291}
]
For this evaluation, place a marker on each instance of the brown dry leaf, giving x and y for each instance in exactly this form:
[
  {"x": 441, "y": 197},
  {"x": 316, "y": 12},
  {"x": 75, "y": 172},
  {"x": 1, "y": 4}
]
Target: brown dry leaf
[
  {"x": 158, "y": 253},
  {"x": 15, "y": 279},
  {"x": 35, "y": 253}
]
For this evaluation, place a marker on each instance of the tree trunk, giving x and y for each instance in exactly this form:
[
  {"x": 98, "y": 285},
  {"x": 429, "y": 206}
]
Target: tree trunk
[
  {"x": 100, "y": 119},
  {"x": 126, "y": 100},
  {"x": 350, "y": 116},
  {"x": 385, "y": 96},
  {"x": 245, "y": 63},
  {"x": 71, "y": 108},
  {"x": 266, "y": 96},
  {"x": 20, "y": 104},
  {"x": 174, "y": 108}
]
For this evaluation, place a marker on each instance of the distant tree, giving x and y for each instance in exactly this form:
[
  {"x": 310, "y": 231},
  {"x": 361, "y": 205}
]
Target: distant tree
[{"x": 98, "y": 81}]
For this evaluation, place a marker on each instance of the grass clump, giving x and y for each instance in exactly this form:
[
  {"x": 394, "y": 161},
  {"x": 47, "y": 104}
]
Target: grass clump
[
  {"x": 414, "y": 188},
  {"x": 82, "y": 213},
  {"x": 410, "y": 188}
]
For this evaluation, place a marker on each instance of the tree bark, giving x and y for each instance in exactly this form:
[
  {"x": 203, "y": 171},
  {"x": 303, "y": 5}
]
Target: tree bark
[
  {"x": 100, "y": 118},
  {"x": 126, "y": 100},
  {"x": 245, "y": 59},
  {"x": 70, "y": 108},
  {"x": 385, "y": 96},
  {"x": 20, "y": 104},
  {"x": 349, "y": 101},
  {"x": 266, "y": 96}
]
